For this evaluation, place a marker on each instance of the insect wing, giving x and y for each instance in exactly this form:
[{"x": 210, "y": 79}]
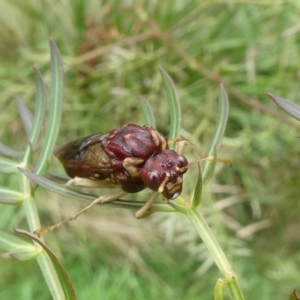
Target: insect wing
[
  {"x": 71, "y": 149},
  {"x": 85, "y": 157}
]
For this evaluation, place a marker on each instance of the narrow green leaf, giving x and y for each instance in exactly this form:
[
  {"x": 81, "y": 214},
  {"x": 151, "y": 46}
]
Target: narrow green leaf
[
  {"x": 220, "y": 128},
  {"x": 174, "y": 105},
  {"x": 40, "y": 107},
  {"x": 216, "y": 140},
  {"x": 8, "y": 165},
  {"x": 219, "y": 290},
  {"x": 198, "y": 189},
  {"x": 65, "y": 191},
  {"x": 21, "y": 254},
  {"x": 63, "y": 276},
  {"x": 26, "y": 116},
  {"x": 17, "y": 248},
  {"x": 233, "y": 286},
  {"x": 10, "y": 152},
  {"x": 289, "y": 107},
  {"x": 8, "y": 196},
  {"x": 57, "y": 188},
  {"x": 55, "y": 110},
  {"x": 9, "y": 241},
  {"x": 57, "y": 178},
  {"x": 210, "y": 169},
  {"x": 147, "y": 111}
]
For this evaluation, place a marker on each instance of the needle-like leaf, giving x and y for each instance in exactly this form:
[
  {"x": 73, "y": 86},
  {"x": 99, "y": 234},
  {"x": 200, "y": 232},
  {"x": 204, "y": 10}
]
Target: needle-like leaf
[
  {"x": 198, "y": 189},
  {"x": 26, "y": 116},
  {"x": 289, "y": 107},
  {"x": 40, "y": 107},
  {"x": 11, "y": 197},
  {"x": 55, "y": 109},
  {"x": 10, "y": 152},
  {"x": 174, "y": 105},
  {"x": 17, "y": 248},
  {"x": 8, "y": 165},
  {"x": 147, "y": 111},
  {"x": 216, "y": 140},
  {"x": 63, "y": 276}
]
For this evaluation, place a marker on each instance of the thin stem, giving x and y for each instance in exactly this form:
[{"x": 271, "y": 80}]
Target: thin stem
[
  {"x": 209, "y": 240},
  {"x": 43, "y": 259},
  {"x": 28, "y": 204},
  {"x": 216, "y": 251}
]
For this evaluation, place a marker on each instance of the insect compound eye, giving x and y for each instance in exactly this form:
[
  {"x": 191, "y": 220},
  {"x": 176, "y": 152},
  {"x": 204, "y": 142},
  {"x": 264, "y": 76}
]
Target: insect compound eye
[
  {"x": 153, "y": 180},
  {"x": 181, "y": 161}
]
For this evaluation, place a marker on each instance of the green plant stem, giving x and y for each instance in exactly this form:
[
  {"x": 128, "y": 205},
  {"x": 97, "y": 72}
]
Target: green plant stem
[
  {"x": 216, "y": 251},
  {"x": 43, "y": 259},
  {"x": 209, "y": 239}
]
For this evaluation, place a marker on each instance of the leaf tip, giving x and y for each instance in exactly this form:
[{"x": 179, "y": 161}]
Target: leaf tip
[{"x": 270, "y": 95}]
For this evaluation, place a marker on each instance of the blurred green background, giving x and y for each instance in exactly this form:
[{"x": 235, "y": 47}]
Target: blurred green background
[{"x": 111, "y": 52}]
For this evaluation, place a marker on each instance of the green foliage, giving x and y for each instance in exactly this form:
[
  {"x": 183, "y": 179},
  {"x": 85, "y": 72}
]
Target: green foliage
[{"x": 112, "y": 51}]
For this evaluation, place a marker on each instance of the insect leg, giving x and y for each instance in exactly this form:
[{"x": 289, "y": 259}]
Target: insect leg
[
  {"x": 204, "y": 157},
  {"x": 133, "y": 166},
  {"x": 144, "y": 210},
  {"x": 78, "y": 181},
  {"x": 99, "y": 200},
  {"x": 158, "y": 139},
  {"x": 181, "y": 146}
]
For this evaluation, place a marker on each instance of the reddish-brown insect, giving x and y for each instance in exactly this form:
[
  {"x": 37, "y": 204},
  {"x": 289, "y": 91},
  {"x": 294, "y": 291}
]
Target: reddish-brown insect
[{"x": 133, "y": 157}]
